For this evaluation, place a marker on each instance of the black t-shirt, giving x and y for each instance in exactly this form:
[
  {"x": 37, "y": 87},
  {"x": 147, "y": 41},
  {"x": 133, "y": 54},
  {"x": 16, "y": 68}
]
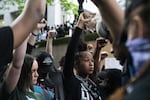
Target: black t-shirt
[{"x": 6, "y": 44}]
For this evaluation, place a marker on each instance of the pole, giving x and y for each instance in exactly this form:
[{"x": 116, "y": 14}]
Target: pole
[{"x": 80, "y": 10}]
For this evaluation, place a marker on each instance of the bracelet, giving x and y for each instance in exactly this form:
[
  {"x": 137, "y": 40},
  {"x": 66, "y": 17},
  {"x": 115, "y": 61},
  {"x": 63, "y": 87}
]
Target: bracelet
[{"x": 34, "y": 34}]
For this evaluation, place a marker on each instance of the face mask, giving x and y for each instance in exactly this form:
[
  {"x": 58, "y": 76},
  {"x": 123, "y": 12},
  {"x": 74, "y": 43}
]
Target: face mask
[{"x": 140, "y": 51}]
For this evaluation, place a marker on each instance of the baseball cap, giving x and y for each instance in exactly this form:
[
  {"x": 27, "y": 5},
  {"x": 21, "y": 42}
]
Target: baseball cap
[
  {"x": 44, "y": 59},
  {"x": 132, "y": 4}
]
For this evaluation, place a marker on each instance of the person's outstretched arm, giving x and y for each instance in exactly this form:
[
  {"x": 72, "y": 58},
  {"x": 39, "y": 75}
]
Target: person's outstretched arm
[
  {"x": 49, "y": 43},
  {"x": 100, "y": 43},
  {"x": 112, "y": 15},
  {"x": 34, "y": 34},
  {"x": 32, "y": 14},
  {"x": 13, "y": 74},
  {"x": 70, "y": 54}
]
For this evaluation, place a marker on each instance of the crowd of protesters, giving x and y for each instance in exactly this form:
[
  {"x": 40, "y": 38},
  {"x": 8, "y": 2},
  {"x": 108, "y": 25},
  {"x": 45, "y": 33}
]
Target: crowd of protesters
[
  {"x": 63, "y": 30},
  {"x": 83, "y": 74}
]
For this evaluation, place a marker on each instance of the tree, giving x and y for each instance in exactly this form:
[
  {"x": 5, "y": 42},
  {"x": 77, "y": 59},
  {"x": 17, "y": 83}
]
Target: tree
[
  {"x": 66, "y": 5},
  {"x": 69, "y": 6}
]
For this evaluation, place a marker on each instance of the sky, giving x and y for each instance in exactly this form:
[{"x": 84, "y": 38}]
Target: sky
[{"x": 88, "y": 5}]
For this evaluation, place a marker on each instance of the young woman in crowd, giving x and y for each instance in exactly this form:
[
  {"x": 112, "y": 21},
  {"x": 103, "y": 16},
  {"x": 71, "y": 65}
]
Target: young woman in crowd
[
  {"x": 79, "y": 87},
  {"x": 22, "y": 89},
  {"x": 20, "y": 76},
  {"x": 28, "y": 78}
]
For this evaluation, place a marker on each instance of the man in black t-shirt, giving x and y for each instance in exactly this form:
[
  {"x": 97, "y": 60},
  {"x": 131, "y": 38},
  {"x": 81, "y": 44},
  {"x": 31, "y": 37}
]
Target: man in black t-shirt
[{"x": 6, "y": 43}]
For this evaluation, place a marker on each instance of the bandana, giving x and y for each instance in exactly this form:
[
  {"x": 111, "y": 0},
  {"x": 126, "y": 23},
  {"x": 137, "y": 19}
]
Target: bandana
[{"x": 140, "y": 52}]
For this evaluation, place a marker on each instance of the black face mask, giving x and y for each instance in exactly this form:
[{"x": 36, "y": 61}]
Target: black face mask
[{"x": 46, "y": 65}]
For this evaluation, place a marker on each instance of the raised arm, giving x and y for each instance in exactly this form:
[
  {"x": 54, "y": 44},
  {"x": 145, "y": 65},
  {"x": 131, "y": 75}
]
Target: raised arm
[
  {"x": 49, "y": 43},
  {"x": 100, "y": 43},
  {"x": 70, "y": 54},
  {"x": 32, "y": 14},
  {"x": 13, "y": 74},
  {"x": 33, "y": 36},
  {"x": 112, "y": 15}
]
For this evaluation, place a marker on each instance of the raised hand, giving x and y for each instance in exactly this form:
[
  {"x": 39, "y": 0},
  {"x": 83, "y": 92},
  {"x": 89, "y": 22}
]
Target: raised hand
[
  {"x": 83, "y": 19},
  {"x": 52, "y": 33},
  {"x": 41, "y": 24},
  {"x": 101, "y": 42}
]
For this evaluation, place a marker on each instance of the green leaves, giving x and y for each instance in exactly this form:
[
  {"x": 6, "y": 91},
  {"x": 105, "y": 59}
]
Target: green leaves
[
  {"x": 50, "y": 1},
  {"x": 20, "y": 4},
  {"x": 69, "y": 6}
]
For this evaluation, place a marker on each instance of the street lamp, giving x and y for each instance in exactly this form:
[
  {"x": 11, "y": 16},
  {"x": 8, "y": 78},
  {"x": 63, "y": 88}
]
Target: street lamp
[{"x": 80, "y": 10}]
